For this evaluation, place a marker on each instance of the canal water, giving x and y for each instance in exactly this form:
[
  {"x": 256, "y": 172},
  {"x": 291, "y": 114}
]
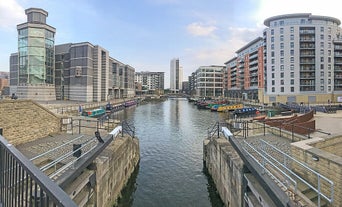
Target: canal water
[{"x": 170, "y": 173}]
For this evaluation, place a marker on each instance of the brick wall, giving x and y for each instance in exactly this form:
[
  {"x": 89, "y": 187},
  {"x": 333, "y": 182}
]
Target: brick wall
[{"x": 24, "y": 121}]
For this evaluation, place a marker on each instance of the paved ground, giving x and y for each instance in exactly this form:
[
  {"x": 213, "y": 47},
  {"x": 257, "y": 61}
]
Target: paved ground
[{"x": 331, "y": 123}]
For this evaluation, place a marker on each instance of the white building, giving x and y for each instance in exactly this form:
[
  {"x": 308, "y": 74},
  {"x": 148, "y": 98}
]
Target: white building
[
  {"x": 209, "y": 81},
  {"x": 303, "y": 58}
]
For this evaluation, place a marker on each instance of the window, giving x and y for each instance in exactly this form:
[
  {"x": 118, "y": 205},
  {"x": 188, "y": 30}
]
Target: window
[
  {"x": 281, "y": 23},
  {"x": 329, "y": 74},
  {"x": 322, "y": 88},
  {"x": 329, "y": 30},
  {"x": 322, "y": 73},
  {"x": 272, "y": 31},
  {"x": 329, "y": 59},
  {"x": 282, "y": 53},
  {"x": 291, "y": 67},
  {"x": 329, "y": 88},
  {"x": 322, "y": 66},
  {"x": 292, "y": 59},
  {"x": 272, "y": 75},
  {"x": 322, "y": 81},
  {"x": 321, "y": 52},
  {"x": 292, "y": 74},
  {"x": 282, "y": 75},
  {"x": 322, "y": 44},
  {"x": 322, "y": 37},
  {"x": 281, "y": 30},
  {"x": 292, "y": 89},
  {"x": 329, "y": 81},
  {"x": 292, "y": 52},
  {"x": 329, "y": 37},
  {"x": 272, "y": 39},
  {"x": 329, "y": 52},
  {"x": 292, "y": 44},
  {"x": 281, "y": 67},
  {"x": 272, "y": 67},
  {"x": 292, "y": 37},
  {"x": 291, "y": 29},
  {"x": 292, "y": 81},
  {"x": 322, "y": 59},
  {"x": 302, "y": 21},
  {"x": 329, "y": 44},
  {"x": 329, "y": 67},
  {"x": 272, "y": 54},
  {"x": 273, "y": 82},
  {"x": 281, "y": 38},
  {"x": 272, "y": 46},
  {"x": 281, "y": 60},
  {"x": 272, "y": 61},
  {"x": 273, "y": 90},
  {"x": 281, "y": 89},
  {"x": 322, "y": 29},
  {"x": 281, "y": 45}
]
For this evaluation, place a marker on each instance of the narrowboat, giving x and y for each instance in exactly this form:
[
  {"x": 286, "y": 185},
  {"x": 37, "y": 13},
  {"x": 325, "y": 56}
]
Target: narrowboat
[
  {"x": 130, "y": 103},
  {"x": 94, "y": 113}
]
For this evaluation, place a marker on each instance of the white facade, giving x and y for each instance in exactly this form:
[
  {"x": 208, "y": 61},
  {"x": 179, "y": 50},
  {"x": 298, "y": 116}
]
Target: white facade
[
  {"x": 209, "y": 81},
  {"x": 300, "y": 56}
]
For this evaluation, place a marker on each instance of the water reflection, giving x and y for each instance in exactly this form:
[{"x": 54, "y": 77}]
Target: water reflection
[{"x": 171, "y": 171}]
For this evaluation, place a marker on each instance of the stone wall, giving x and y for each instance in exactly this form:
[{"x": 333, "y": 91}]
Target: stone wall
[
  {"x": 324, "y": 162},
  {"x": 24, "y": 121},
  {"x": 114, "y": 167},
  {"x": 225, "y": 167}
]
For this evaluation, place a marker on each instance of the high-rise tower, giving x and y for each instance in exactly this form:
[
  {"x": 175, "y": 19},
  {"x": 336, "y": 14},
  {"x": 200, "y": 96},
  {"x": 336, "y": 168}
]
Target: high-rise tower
[{"x": 176, "y": 76}]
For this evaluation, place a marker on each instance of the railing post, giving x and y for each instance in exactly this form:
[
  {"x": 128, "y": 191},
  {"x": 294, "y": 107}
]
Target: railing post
[
  {"x": 292, "y": 132},
  {"x": 1, "y": 131},
  {"x": 264, "y": 128},
  {"x": 79, "y": 126},
  {"x": 218, "y": 130}
]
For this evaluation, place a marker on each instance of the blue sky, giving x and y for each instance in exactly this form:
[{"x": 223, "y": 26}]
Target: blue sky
[{"x": 147, "y": 34}]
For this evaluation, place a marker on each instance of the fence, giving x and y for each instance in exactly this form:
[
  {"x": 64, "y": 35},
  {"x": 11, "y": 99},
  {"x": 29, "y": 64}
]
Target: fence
[{"x": 23, "y": 184}]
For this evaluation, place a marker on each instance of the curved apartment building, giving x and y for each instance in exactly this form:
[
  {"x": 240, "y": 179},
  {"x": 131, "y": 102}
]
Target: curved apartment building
[{"x": 303, "y": 59}]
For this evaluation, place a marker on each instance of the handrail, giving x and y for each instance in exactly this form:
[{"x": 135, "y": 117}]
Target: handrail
[
  {"x": 319, "y": 176},
  {"x": 128, "y": 129},
  {"x": 36, "y": 183}
]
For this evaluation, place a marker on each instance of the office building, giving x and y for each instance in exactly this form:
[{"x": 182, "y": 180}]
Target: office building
[
  {"x": 209, "y": 81},
  {"x": 86, "y": 72},
  {"x": 176, "y": 76},
  {"x": 33, "y": 75},
  {"x": 73, "y": 71}
]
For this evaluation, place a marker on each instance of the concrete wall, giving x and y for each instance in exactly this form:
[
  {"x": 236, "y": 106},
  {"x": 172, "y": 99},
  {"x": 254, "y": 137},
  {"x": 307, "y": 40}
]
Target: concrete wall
[
  {"x": 328, "y": 164},
  {"x": 113, "y": 169},
  {"x": 225, "y": 167},
  {"x": 24, "y": 121}
]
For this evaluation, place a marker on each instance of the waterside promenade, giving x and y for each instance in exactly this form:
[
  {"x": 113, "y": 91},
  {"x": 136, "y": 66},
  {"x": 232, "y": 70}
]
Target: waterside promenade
[{"x": 262, "y": 169}]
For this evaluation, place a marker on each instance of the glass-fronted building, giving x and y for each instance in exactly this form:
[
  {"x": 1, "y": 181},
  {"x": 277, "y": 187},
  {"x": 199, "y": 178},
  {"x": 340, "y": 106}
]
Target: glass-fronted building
[{"x": 36, "y": 57}]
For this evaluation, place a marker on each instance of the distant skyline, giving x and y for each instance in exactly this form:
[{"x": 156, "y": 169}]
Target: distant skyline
[{"x": 147, "y": 34}]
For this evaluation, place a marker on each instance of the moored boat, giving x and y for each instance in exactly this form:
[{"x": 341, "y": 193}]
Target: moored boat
[
  {"x": 230, "y": 107},
  {"x": 94, "y": 113}
]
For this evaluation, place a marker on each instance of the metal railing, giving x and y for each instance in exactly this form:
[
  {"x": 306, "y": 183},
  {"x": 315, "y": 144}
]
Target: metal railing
[
  {"x": 23, "y": 184},
  {"x": 127, "y": 128},
  {"x": 214, "y": 131},
  {"x": 285, "y": 158}
]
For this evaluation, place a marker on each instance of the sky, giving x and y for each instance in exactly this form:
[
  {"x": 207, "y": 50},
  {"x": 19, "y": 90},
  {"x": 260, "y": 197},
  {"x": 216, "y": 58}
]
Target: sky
[{"x": 147, "y": 34}]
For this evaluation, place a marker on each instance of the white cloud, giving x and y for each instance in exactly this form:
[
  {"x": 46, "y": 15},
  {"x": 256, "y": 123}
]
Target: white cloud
[
  {"x": 199, "y": 29},
  {"x": 11, "y": 14}
]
